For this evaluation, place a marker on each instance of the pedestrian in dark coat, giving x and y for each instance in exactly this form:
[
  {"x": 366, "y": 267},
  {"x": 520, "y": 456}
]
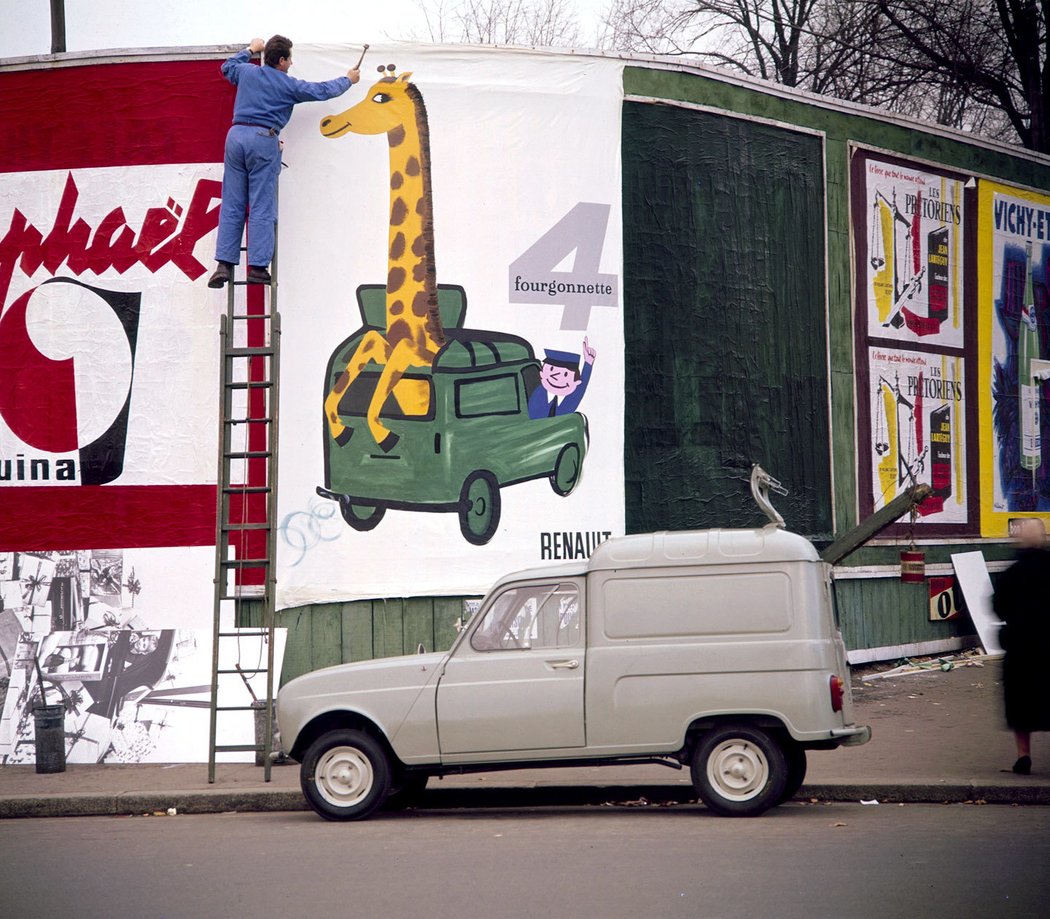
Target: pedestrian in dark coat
[{"x": 1022, "y": 601}]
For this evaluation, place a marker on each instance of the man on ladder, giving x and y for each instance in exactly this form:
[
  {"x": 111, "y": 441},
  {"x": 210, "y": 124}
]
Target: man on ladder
[{"x": 265, "y": 97}]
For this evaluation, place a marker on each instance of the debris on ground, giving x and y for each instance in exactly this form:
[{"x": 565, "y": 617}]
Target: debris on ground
[{"x": 973, "y": 657}]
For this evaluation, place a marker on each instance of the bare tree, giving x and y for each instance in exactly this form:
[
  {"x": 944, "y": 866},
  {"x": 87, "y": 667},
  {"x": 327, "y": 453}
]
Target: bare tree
[
  {"x": 991, "y": 53},
  {"x": 535, "y": 23},
  {"x": 949, "y": 63}
]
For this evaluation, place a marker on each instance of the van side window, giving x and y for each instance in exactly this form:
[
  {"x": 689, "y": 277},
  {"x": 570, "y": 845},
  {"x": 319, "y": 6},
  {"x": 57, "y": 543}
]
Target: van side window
[
  {"x": 495, "y": 395},
  {"x": 537, "y": 616}
]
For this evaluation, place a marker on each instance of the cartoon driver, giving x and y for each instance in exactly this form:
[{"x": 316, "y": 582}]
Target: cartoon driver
[{"x": 562, "y": 386}]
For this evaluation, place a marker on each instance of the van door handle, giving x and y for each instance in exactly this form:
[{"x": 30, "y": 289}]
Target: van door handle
[{"x": 564, "y": 665}]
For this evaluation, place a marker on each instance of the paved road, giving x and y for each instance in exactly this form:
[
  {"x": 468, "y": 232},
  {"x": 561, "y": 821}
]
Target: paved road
[{"x": 800, "y": 860}]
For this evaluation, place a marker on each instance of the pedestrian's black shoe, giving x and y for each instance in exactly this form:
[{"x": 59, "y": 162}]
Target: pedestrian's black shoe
[
  {"x": 258, "y": 275},
  {"x": 1023, "y": 766},
  {"x": 220, "y": 276}
]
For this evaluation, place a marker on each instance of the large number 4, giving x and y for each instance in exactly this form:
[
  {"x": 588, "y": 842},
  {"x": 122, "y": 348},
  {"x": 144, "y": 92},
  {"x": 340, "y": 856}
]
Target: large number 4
[{"x": 533, "y": 278}]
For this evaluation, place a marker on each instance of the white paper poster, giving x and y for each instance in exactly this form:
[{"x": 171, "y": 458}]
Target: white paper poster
[
  {"x": 918, "y": 430},
  {"x": 452, "y": 357},
  {"x": 914, "y": 274}
]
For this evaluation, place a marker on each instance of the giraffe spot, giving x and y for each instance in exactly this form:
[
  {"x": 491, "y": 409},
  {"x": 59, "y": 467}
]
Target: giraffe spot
[
  {"x": 420, "y": 304},
  {"x": 395, "y": 279},
  {"x": 418, "y": 247},
  {"x": 396, "y": 181},
  {"x": 397, "y": 307},
  {"x": 398, "y": 330},
  {"x": 398, "y": 212},
  {"x": 419, "y": 271},
  {"x": 421, "y": 206},
  {"x": 412, "y": 166},
  {"x": 395, "y": 136},
  {"x": 342, "y": 382},
  {"x": 434, "y": 328},
  {"x": 397, "y": 247},
  {"x": 368, "y": 346}
]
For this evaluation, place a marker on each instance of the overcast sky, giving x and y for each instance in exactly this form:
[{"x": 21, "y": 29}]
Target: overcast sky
[{"x": 92, "y": 24}]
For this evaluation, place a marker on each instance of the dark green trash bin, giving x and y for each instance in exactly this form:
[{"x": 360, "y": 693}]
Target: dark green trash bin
[{"x": 50, "y": 726}]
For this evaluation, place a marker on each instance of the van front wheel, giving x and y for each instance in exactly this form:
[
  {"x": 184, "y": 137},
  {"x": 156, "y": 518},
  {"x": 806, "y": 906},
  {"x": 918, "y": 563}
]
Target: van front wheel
[
  {"x": 345, "y": 775},
  {"x": 739, "y": 771},
  {"x": 566, "y": 470}
]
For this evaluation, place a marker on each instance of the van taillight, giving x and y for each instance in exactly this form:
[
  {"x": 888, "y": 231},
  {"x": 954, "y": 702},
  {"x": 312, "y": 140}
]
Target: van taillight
[{"x": 838, "y": 690}]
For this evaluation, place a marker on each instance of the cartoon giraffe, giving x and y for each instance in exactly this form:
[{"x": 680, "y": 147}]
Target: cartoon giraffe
[{"x": 414, "y": 334}]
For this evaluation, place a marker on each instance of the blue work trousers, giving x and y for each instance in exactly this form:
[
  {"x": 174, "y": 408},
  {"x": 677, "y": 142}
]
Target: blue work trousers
[{"x": 249, "y": 182}]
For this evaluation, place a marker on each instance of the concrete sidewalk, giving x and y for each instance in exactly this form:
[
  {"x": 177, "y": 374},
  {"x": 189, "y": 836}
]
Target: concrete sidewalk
[{"x": 937, "y": 737}]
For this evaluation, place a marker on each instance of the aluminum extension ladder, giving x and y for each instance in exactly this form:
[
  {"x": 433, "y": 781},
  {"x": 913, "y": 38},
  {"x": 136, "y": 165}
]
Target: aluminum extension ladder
[{"x": 246, "y": 503}]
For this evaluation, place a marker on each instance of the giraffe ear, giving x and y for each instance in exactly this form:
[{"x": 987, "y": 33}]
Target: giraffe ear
[{"x": 404, "y": 78}]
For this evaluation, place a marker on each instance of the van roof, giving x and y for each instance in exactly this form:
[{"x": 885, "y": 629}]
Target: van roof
[{"x": 686, "y": 547}]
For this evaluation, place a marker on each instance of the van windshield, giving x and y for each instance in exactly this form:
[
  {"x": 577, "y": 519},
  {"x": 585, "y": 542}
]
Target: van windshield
[{"x": 412, "y": 398}]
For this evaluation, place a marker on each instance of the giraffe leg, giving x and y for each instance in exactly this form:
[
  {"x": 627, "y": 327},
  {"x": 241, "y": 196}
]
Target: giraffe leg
[
  {"x": 371, "y": 347},
  {"x": 403, "y": 355}
]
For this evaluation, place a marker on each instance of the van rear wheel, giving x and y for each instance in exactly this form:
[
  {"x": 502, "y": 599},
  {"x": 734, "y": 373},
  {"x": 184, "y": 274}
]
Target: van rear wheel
[
  {"x": 739, "y": 771},
  {"x": 361, "y": 517},
  {"x": 796, "y": 771},
  {"x": 479, "y": 507}
]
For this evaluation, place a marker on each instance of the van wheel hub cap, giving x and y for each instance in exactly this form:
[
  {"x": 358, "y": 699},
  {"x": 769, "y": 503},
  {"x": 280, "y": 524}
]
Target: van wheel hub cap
[
  {"x": 344, "y": 776},
  {"x": 737, "y": 770}
]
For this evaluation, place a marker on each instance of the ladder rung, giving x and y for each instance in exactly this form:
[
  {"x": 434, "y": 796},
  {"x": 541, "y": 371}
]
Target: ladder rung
[
  {"x": 252, "y": 283},
  {"x": 244, "y": 633},
  {"x": 253, "y": 384},
  {"x": 262, "y": 419},
  {"x": 262, "y": 351},
  {"x": 248, "y": 454},
  {"x": 246, "y": 526},
  {"x": 234, "y": 708},
  {"x": 239, "y": 748},
  {"x": 244, "y": 562},
  {"x": 247, "y": 489},
  {"x": 245, "y": 670},
  {"x": 242, "y": 317}
]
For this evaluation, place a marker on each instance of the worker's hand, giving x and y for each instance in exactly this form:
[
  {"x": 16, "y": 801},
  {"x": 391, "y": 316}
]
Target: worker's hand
[
  {"x": 256, "y": 45},
  {"x": 353, "y": 75}
]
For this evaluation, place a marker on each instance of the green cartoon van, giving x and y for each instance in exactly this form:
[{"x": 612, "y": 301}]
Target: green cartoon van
[{"x": 475, "y": 438}]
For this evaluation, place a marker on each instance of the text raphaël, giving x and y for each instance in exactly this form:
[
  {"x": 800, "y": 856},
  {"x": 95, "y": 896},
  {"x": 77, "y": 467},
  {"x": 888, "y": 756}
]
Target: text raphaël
[{"x": 164, "y": 237}]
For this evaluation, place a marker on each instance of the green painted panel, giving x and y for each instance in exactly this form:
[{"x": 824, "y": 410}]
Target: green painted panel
[
  {"x": 388, "y": 627},
  {"x": 884, "y": 612},
  {"x": 726, "y": 357},
  {"x": 419, "y": 624},
  {"x": 298, "y": 652},
  {"x": 326, "y": 645},
  {"x": 447, "y": 613},
  {"x": 357, "y": 631},
  {"x": 841, "y": 125}
]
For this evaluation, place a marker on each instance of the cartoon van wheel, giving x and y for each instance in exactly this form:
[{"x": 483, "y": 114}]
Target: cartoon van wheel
[{"x": 463, "y": 429}]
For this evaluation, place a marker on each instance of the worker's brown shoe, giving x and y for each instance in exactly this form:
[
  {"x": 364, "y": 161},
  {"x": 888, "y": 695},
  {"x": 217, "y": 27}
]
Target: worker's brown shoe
[
  {"x": 220, "y": 276},
  {"x": 257, "y": 275}
]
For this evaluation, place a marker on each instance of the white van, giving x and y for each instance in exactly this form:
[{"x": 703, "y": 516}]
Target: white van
[{"x": 714, "y": 649}]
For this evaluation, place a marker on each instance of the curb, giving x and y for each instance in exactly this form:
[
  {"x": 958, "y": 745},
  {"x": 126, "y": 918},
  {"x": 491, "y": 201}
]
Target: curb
[{"x": 264, "y": 800}]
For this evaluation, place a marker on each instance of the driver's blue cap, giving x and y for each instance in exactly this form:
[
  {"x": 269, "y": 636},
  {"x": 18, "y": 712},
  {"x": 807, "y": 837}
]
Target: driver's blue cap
[{"x": 562, "y": 359}]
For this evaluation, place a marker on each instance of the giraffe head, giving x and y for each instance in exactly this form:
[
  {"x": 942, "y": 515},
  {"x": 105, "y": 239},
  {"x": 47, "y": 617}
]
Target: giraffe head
[{"x": 388, "y": 105}]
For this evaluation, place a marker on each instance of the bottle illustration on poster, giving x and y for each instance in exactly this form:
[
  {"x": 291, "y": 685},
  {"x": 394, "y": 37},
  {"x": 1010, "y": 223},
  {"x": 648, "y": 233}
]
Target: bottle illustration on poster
[{"x": 1019, "y": 380}]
